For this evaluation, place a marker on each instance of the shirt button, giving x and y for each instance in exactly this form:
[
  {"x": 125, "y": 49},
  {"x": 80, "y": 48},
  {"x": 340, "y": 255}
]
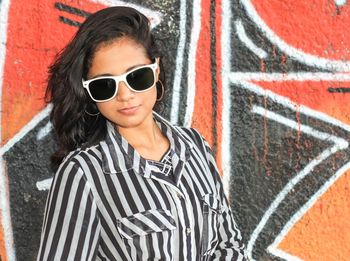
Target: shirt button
[
  {"x": 188, "y": 231},
  {"x": 178, "y": 195}
]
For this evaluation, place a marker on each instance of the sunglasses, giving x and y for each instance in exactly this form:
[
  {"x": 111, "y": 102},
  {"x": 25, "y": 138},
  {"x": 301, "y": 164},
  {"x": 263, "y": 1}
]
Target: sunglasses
[{"x": 105, "y": 88}]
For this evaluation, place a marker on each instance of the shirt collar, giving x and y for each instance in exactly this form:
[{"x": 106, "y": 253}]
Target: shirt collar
[{"x": 119, "y": 156}]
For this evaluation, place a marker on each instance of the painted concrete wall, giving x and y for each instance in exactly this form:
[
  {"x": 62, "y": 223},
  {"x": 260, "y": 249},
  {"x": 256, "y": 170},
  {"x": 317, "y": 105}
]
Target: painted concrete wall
[{"x": 266, "y": 82}]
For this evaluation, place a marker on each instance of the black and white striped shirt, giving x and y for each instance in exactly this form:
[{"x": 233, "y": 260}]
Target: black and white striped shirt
[{"x": 106, "y": 202}]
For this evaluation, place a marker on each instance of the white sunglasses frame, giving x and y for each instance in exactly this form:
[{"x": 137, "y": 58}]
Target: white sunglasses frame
[{"x": 122, "y": 78}]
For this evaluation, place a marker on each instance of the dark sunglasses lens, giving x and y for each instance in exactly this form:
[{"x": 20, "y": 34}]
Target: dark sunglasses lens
[
  {"x": 102, "y": 89},
  {"x": 141, "y": 79}
]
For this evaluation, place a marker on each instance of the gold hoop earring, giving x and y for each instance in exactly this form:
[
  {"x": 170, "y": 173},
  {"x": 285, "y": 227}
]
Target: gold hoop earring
[
  {"x": 163, "y": 90},
  {"x": 92, "y": 114}
]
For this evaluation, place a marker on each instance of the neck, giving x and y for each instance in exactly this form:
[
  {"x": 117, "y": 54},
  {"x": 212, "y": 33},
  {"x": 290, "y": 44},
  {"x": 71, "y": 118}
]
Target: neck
[{"x": 145, "y": 135}]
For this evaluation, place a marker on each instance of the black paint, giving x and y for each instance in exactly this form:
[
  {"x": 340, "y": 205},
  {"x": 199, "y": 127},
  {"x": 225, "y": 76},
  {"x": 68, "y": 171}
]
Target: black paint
[
  {"x": 243, "y": 60},
  {"x": 266, "y": 156},
  {"x": 71, "y": 9},
  {"x": 339, "y": 89},
  {"x": 214, "y": 84},
  {"x": 27, "y": 163},
  {"x": 69, "y": 21}
]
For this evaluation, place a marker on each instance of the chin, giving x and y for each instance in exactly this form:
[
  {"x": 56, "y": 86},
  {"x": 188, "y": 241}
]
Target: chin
[{"x": 128, "y": 123}]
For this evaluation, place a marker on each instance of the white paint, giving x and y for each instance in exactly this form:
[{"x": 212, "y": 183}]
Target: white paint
[
  {"x": 340, "y": 2},
  {"x": 4, "y": 194},
  {"x": 44, "y": 131},
  {"x": 284, "y": 255},
  {"x": 339, "y": 144},
  {"x": 27, "y": 128},
  {"x": 301, "y": 212},
  {"x": 175, "y": 104},
  {"x": 293, "y": 52},
  {"x": 279, "y": 77},
  {"x": 154, "y": 16},
  {"x": 226, "y": 93},
  {"x": 6, "y": 213},
  {"x": 247, "y": 41},
  {"x": 191, "y": 76},
  {"x": 290, "y": 104},
  {"x": 44, "y": 184},
  {"x": 302, "y": 109}
]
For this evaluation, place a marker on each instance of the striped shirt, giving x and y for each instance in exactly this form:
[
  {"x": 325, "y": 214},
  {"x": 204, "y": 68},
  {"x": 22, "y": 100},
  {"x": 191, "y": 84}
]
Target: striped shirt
[
  {"x": 106, "y": 202},
  {"x": 164, "y": 165}
]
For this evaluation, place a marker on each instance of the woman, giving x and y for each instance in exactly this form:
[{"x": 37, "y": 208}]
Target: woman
[{"x": 130, "y": 185}]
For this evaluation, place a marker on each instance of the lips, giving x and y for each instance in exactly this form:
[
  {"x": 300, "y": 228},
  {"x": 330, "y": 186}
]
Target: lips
[{"x": 129, "y": 110}]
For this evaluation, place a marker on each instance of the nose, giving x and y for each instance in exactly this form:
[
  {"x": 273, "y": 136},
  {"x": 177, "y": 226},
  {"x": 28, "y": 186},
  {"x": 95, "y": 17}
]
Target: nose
[{"x": 124, "y": 93}]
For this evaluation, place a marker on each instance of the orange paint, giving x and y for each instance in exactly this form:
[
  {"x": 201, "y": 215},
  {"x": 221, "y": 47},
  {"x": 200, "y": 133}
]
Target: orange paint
[
  {"x": 3, "y": 256},
  {"x": 203, "y": 109},
  {"x": 322, "y": 233},
  {"x": 34, "y": 36},
  {"x": 3, "y": 253},
  {"x": 316, "y": 27},
  {"x": 202, "y": 115},
  {"x": 319, "y": 235},
  {"x": 315, "y": 94}
]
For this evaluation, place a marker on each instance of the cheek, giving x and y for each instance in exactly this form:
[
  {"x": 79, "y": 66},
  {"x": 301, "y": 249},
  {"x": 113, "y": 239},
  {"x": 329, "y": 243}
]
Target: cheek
[
  {"x": 154, "y": 92},
  {"x": 148, "y": 97},
  {"x": 105, "y": 107},
  {"x": 152, "y": 96}
]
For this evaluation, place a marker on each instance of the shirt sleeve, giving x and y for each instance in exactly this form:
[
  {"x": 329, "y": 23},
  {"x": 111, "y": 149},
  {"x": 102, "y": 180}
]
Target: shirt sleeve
[
  {"x": 230, "y": 246},
  {"x": 71, "y": 225}
]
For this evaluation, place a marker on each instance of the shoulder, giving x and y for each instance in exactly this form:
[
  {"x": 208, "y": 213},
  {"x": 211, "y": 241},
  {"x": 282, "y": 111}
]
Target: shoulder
[
  {"x": 191, "y": 134},
  {"x": 80, "y": 157},
  {"x": 77, "y": 169},
  {"x": 194, "y": 137}
]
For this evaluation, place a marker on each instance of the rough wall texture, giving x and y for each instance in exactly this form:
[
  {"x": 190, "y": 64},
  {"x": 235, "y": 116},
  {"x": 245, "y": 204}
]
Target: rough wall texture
[{"x": 266, "y": 82}]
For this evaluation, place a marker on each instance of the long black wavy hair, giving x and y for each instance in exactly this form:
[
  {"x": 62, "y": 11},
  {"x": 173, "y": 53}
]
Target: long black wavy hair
[{"x": 73, "y": 127}]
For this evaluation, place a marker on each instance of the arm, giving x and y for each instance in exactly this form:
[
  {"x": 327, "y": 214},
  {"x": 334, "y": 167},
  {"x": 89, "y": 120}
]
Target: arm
[
  {"x": 71, "y": 226},
  {"x": 230, "y": 246}
]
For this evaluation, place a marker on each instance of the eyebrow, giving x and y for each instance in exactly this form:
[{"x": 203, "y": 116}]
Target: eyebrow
[{"x": 109, "y": 74}]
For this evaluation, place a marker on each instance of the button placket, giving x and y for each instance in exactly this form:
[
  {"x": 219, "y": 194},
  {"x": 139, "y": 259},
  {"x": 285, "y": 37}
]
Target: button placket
[{"x": 189, "y": 224}]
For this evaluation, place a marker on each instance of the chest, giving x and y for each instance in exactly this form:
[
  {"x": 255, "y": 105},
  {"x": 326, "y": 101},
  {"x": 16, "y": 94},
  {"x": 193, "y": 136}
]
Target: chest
[
  {"x": 181, "y": 214},
  {"x": 128, "y": 193}
]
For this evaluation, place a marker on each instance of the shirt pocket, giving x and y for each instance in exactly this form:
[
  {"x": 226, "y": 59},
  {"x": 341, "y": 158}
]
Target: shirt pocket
[
  {"x": 212, "y": 210},
  {"x": 148, "y": 234}
]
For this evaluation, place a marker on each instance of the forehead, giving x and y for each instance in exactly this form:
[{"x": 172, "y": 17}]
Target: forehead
[
  {"x": 123, "y": 40},
  {"x": 115, "y": 57}
]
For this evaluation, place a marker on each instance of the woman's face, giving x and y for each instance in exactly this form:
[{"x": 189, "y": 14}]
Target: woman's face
[{"x": 127, "y": 109}]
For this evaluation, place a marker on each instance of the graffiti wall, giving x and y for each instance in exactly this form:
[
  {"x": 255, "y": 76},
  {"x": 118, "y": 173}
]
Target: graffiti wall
[{"x": 266, "y": 82}]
